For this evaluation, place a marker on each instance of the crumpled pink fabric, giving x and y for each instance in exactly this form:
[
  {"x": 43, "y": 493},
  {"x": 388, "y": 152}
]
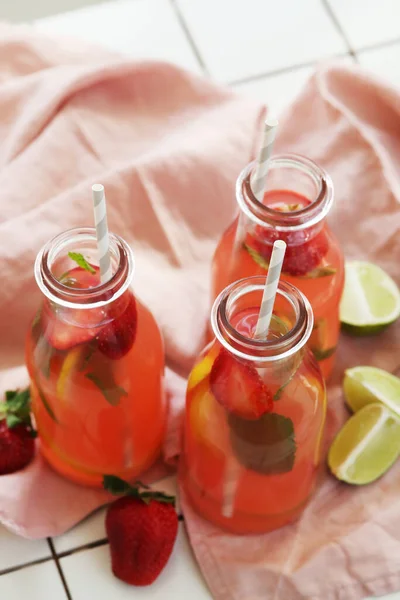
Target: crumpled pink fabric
[{"x": 168, "y": 147}]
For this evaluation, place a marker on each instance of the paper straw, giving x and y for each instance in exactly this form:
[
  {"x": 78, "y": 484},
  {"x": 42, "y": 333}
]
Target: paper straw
[
  {"x": 270, "y": 289},
  {"x": 259, "y": 175},
  {"x": 100, "y": 221}
]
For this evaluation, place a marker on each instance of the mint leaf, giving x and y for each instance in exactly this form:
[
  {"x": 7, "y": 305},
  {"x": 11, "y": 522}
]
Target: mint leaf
[
  {"x": 82, "y": 262},
  {"x": 266, "y": 445},
  {"x": 323, "y": 354},
  {"x": 260, "y": 260},
  {"x": 319, "y": 272},
  {"x": 36, "y": 319},
  {"x": 116, "y": 485},
  {"x": 111, "y": 392},
  {"x": 46, "y": 404},
  {"x": 89, "y": 353}
]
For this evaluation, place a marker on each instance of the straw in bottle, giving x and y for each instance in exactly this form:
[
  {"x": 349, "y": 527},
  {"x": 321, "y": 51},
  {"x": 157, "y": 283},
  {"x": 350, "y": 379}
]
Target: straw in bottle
[
  {"x": 258, "y": 177},
  {"x": 100, "y": 221},
  {"x": 231, "y": 478},
  {"x": 270, "y": 289}
]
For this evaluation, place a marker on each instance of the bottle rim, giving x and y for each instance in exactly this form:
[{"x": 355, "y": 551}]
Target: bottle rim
[
  {"x": 263, "y": 351},
  {"x": 289, "y": 221},
  {"x": 95, "y": 297}
]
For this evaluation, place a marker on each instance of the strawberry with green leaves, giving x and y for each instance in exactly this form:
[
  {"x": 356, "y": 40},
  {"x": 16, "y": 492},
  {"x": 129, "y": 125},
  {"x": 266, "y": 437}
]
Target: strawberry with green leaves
[
  {"x": 17, "y": 445},
  {"x": 141, "y": 527}
]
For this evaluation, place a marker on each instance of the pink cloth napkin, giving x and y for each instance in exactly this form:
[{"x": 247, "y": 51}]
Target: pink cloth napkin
[{"x": 168, "y": 147}]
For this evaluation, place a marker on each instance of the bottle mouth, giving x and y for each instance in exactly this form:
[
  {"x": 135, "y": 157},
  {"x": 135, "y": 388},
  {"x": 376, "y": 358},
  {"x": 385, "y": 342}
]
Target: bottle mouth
[
  {"x": 289, "y": 172},
  {"x": 289, "y": 303},
  {"x": 52, "y": 261}
]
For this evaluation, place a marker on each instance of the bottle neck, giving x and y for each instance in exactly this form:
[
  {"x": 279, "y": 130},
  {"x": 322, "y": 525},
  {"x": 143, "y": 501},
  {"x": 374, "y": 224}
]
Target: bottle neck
[
  {"x": 53, "y": 261},
  {"x": 290, "y": 328},
  {"x": 287, "y": 174}
]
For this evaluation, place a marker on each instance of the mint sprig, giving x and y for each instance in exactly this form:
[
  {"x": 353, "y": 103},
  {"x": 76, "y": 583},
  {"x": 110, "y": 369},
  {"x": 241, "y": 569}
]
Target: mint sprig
[
  {"x": 119, "y": 487},
  {"x": 266, "y": 445},
  {"x": 256, "y": 256},
  {"x": 82, "y": 262},
  {"x": 110, "y": 390},
  {"x": 16, "y": 410}
]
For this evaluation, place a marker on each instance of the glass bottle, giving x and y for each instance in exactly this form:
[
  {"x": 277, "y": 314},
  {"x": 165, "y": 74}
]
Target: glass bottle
[
  {"x": 298, "y": 197},
  {"x": 96, "y": 361},
  {"x": 255, "y": 413}
]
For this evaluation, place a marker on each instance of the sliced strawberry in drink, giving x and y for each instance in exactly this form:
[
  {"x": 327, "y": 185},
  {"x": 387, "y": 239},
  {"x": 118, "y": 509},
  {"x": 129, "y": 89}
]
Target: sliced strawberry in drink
[
  {"x": 67, "y": 327},
  {"x": 117, "y": 337},
  {"x": 239, "y": 388},
  {"x": 303, "y": 254}
]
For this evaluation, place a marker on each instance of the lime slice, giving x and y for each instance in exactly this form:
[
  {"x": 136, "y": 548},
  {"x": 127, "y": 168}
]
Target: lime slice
[
  {"x": 370, "y": 300},
  {"x": 366, "y": 446},
  {"x": 364, "y": 385}
]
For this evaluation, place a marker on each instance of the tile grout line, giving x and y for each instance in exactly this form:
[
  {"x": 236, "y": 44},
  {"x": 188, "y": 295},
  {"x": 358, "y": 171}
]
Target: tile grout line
[
  {"x": 339, "y": 28},
  {"x": 31, "y": 563},
  {"x": 92, "y": 545},
  {"x": 386, "y": 44},
  {"x": 283, "y": 70},
  {"x": 89, "y": 546},
  {"x": 188, "y": 35},
  {"x": 59, "y": 568}
]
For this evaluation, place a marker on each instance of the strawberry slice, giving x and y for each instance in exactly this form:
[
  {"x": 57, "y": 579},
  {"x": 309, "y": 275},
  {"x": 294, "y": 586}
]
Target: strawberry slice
[
  {"x": 303, "y": 254},
  {"x": 239, "y": 388},
  {"x": 70, "y": 328},
  {"x": 117, "y": 337}
]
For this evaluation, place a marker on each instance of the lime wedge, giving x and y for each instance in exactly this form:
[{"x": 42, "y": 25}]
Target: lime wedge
[
  {"x": 366, "y": 446},
  {"x": 370, "y": 300},
  {"x": 364, "y": 385}
]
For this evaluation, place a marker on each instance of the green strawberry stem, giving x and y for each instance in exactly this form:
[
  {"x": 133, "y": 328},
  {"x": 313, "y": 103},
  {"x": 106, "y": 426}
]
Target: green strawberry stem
[
  {"x": 16, "y": 410},
  {"x": 117, "y": 487}
]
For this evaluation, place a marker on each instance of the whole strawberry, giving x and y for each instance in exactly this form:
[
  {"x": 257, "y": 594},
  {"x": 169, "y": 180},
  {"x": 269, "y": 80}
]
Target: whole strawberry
[
  {"x": 141, "y": 528},
  {"x": 17, "y": 446}
]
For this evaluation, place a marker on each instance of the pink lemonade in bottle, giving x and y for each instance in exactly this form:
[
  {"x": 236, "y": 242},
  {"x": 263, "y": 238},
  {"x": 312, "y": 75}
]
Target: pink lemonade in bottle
[
  {"x": 298, "y": 197},
  {"x": 255, "y": 414},
  {"x": 95, "y": 359}
]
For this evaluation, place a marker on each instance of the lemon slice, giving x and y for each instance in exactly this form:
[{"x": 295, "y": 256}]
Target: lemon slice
[
  {"x": 70, "y": 363},
  {"x": 370, "y": 300},
  {"x": 202, "y": 369},
  {"x": 366, "y": 446},
  {"x": 364, "y": 385}
]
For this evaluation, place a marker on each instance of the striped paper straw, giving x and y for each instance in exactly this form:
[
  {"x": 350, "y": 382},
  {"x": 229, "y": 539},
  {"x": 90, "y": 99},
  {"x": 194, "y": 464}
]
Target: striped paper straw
[
  {"x": 259, "y": 175},
  {"x": 100, "y": 221},
  {"x": 271, "y": 286}
]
